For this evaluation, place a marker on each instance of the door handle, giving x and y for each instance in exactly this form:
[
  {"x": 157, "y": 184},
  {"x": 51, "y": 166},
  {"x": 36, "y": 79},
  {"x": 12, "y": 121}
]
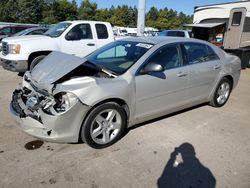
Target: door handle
[
  {"x": 91, "y": 44},
  {"x": 182, "y": 74},
  {"x": 216, "y": 67}
]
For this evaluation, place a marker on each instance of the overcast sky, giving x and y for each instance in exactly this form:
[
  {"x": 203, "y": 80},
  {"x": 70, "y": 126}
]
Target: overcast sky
[{"x": 186, "y": 6}]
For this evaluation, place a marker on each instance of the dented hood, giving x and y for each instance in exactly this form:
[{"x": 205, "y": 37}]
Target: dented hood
[{"x": 54, "y": 67}]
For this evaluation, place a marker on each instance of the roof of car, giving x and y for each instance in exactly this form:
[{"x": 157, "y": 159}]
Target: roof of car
[{"x": 160, "y": 39}]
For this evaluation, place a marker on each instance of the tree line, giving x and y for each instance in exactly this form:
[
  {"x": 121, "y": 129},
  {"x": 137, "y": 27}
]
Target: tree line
[{"x": 53, "y": 11}]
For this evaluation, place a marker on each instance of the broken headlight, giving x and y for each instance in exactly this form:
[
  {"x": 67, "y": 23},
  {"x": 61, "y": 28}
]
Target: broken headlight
[
  {"x": 62, "y": 103},
  {"x": 65, "y": 101}
]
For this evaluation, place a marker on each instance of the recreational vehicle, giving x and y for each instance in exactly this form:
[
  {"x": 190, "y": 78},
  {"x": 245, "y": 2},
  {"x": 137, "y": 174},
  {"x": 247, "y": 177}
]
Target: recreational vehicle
[{"x": 226, "y": 25}]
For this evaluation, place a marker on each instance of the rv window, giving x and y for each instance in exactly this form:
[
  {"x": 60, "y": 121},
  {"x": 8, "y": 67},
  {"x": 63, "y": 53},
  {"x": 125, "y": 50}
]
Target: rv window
[{"x": 236, "y": 18}]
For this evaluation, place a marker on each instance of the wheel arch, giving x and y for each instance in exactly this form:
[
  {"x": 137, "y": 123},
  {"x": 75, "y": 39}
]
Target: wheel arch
[
  {"x": 118, "y": 101},
  {"x": 230, "y": 78},
  {"x": 36, "y": 54}
]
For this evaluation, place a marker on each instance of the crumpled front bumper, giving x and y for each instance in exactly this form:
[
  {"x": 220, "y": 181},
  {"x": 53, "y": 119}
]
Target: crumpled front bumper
[{"x": 54, "y": 128}]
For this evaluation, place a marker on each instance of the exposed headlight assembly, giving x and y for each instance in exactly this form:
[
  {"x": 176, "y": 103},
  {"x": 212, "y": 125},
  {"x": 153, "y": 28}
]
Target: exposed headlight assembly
[
  {"x": 64, "y": 101},
  {"x": 14, "y": 48}
]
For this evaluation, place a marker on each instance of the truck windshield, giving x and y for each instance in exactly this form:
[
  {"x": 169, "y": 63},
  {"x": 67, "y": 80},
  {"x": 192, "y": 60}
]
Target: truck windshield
[
  {"x": 119, "y": 56},
  {"x": 57, "y": 30}
]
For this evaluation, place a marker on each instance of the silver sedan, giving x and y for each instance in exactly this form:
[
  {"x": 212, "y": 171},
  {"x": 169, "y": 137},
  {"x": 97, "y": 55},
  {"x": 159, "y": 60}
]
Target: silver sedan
[{"x": 67, "y": 99}]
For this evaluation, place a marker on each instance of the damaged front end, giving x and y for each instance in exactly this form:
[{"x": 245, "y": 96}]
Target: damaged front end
[
  {"x": 52, "y": 103},
  {"x": 49, "y": 117}
]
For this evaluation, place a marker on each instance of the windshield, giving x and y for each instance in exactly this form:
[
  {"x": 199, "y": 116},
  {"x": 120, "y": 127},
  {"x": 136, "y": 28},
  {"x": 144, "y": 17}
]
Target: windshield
[
  {"x": 119, "y": 56},
  {"x": 20, "y": 33},
  {"x": 57, "y": 30}
]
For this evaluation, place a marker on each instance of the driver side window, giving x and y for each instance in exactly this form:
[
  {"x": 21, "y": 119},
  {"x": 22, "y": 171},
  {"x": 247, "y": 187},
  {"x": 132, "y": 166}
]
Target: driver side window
[
  {"x": 168, "y": 57},
  {"x": 79, "y": 32}
]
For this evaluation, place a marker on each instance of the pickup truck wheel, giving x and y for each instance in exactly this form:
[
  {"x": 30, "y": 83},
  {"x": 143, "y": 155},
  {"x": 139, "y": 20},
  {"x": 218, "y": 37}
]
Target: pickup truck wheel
[{"x": 36, "y": 60}]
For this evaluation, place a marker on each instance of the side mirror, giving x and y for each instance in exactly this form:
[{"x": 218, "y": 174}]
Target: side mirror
[
  {"x": 72, "y": 36},
  {"x": 152, "y": 68}
]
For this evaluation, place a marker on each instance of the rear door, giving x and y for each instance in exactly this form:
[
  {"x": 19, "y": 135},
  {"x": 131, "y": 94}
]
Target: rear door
[
  {"x": 235, "y": 28},
  {"x": 204, "y": 68},
  {"x": 103, "y": 35}
]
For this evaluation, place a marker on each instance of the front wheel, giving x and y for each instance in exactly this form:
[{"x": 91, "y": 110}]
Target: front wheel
[
  {"x": 222, "y": 93},
  {"x": 104, "y": 125}
]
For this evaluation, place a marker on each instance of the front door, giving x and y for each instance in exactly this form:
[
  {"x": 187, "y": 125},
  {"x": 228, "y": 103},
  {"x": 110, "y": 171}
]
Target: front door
[
  {"x": 235, "y": 28},
  {"x": 158, "y": 92},
  {"x": 79, "y": 41}
]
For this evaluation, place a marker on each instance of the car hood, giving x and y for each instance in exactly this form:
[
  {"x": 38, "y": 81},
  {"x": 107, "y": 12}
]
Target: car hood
[
  {"x": 25, "y": 38},
  {"x": 53, "y": 67}
]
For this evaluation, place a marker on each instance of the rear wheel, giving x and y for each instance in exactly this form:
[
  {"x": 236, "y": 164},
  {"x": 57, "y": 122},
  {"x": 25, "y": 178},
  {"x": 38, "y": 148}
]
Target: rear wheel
[
  {"x": 222, "y": 93},
  {"x": 104, "y": 125},
  {"x": 36, "y": 60}
]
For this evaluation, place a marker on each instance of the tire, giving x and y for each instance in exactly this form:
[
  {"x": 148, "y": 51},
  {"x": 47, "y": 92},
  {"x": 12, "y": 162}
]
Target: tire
[
  {"x": 104, "y": 125},
  {"x": 222, "y": 93},
  {"x": 35, "y": 61}
]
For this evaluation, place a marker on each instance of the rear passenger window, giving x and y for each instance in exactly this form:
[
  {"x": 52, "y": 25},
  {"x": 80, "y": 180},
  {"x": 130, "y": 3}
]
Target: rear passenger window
[
  {"x": 168, "y": 57},
  {"x": 198, "y": 53},
  {"x": 211, "y": 54},
  {"x": 102, "y": 32}
]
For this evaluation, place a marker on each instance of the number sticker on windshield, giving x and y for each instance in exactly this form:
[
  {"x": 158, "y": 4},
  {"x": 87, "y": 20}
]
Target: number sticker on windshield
[{"x": 144, "y": 45}]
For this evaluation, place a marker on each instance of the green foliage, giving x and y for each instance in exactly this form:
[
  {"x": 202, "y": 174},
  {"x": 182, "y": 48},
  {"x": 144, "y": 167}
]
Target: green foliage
[
  {"x": 30, "y": 11},
  {"x": 87, "y": 10},
  {"x": 53, "y": 11}
]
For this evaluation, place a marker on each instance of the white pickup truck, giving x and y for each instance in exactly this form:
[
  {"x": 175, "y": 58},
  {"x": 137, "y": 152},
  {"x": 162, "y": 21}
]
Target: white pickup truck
[{"x": 79, "y": 38}]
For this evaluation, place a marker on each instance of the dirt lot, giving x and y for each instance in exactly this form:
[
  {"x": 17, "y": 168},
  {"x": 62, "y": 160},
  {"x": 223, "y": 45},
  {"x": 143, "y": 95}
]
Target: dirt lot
[{"x": 220, "y": 138}]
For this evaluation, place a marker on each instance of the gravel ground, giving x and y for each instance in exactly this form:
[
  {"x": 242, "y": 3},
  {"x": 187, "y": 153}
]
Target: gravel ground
[{"x": 213, "y": 150}]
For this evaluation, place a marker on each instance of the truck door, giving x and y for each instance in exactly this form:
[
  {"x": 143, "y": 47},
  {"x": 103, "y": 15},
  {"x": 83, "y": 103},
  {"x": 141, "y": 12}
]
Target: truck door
[
  {"x": 235, "y": 28},
  {"x": 103, "y": 35},
  {"x": 79, "y": 41}
]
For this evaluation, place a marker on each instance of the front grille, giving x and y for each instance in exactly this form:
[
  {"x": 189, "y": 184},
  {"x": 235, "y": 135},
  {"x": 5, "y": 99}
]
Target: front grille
[{"x": 5, "y": 48}]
